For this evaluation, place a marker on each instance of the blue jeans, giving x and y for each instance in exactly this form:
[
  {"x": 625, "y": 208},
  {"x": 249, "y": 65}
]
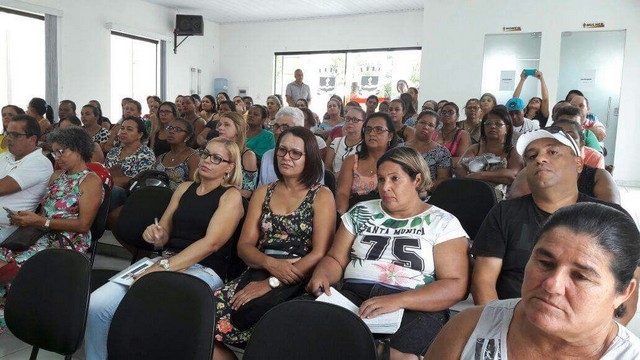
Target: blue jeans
[{"x": 105, "y": 300}]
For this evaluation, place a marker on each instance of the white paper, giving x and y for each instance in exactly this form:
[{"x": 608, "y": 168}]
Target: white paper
[
  {"x": 125, "y": 277},
  {"x": 387, "y": 323},
  {"x": 587, "y": 80},
  {"x": 507, "y": 80}
]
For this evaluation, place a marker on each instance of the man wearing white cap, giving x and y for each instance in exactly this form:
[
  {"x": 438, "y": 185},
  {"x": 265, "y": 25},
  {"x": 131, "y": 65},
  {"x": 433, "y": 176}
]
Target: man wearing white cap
[{"x": 504, "y": 242}]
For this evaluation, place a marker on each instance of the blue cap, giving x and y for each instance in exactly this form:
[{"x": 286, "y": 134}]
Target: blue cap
[{"x": 515, "y": 104}]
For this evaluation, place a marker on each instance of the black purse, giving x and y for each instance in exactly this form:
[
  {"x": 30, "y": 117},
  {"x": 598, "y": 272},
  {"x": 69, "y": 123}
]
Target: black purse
[
  {"x": 249, "y": 314},
  {"x": 23, "y": 238}
]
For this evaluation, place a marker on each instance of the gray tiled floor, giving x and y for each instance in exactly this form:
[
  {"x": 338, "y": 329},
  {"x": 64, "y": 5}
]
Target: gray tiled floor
[{"x": 13, "y": 349}]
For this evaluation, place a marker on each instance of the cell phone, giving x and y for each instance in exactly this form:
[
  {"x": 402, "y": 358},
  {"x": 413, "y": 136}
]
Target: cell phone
[
  {"x": 9, "y": 211},
  {"x": 530, "y": 72}
]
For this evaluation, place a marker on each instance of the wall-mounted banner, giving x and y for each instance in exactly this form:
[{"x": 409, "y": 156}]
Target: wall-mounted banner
[
  {"x": 511, "y": 28},
  {"x": 592, "y": 25}
]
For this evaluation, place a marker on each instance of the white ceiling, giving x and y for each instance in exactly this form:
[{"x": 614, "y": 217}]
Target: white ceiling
[{"x": 238, "y": 11}]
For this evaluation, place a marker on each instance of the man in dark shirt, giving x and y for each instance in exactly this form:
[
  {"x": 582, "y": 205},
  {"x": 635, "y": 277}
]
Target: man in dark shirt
[{"x": 504, "y": 242}]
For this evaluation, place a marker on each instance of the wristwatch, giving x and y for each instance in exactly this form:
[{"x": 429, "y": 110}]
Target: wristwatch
[
  {"x": 274, "y": 282},
  {"x": 47, "y": 223},
  {"x": 164, "y": 263}
]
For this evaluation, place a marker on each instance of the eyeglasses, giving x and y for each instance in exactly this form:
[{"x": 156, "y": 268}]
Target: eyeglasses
[
  {"x": 165, "y": 112},
  {"x": 15, "y": 135},
  {"x": 494, "y": 123},
  {"x": 276, "y": 127},
  {"x": 57, "y": 153},
  {"x": 349, "y": 119},
  {"x": 473, "y": 108},
  {"x": 175, "y": 128},
  {"x": 293, "y": 153},
  {"x": 445, "y": 113},
  {"x": 376, "y": 130},
  {"x": 215, "y": 158}
]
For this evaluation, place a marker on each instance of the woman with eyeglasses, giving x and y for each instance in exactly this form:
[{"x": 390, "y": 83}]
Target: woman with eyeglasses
[
  {"x": 180, "y": 162},
  {"x": 450, "y": 136},
  {"x": 8, "y": 113},
  {"x": 233, "y": 127},
  {"x": 288, "y": 228},
  {"x": 437, "y": 156},
  {"x": 494, "y": 159},
  {"x": 347, "y": 145},
  {"x": 67, "y": 209},
  {"x": 195, "y": 232},
  {"x": 357, "y": 180},
  {"x": 273, "y": 105},
  {"x": 167, "y": 112},
  {"x": 69, "y": 121},
  {"x": 472, "y": 123}
]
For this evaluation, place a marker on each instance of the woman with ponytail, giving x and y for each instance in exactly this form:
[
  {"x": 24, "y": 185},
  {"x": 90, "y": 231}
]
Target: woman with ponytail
[{"x": 41, "y": 111}]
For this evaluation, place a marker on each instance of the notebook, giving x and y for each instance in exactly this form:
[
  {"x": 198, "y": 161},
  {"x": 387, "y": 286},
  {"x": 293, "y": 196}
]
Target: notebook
[{"x": 382, "y": 324}]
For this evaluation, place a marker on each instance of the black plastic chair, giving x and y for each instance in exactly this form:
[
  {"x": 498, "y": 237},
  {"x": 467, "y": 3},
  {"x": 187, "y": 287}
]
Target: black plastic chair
[
  {"x": 100, "y": 222},
  {"x": 235, "y": 265},
  {"x": 330, "y": 181},
  {"x": 310, "y": 330},
  {"x": 165, "y": 315},
  {"x": 469, "y": 200},
  {"x": 48, "y": 301},
  {"x": 139, "y": 211}
]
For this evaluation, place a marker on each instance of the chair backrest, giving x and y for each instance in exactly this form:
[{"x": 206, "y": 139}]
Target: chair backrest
[
  {"x": 330, "y": 181},
  {"x": 48, "y": 300},
  {"x": 165, "y": 315},
  {"x": 140, "y": 209},
  {"x": 304, "y": 329},
  {"x": 469, "y": 200},
  {"x": 100, "y": 221}
]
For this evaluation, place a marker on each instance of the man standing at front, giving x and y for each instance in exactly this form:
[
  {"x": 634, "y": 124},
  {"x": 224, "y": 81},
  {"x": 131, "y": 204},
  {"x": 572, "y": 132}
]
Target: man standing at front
[{"x": 297, "y": 89}]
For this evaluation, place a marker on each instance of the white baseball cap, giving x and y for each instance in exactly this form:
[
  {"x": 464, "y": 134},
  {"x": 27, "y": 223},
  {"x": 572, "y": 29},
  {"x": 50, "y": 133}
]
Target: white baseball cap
[{"x": 550, "y": 132}]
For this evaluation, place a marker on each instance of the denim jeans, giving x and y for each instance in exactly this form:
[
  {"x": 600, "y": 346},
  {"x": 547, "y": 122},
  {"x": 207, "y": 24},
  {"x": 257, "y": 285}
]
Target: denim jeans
[{"x": 105, "y": 300}]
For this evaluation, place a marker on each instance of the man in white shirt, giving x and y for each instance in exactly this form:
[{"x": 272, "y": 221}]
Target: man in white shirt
[
  {"x": 297, "y": 89},
  {"x": 521, "y": 124},
  {"x": 24, "y": 171}
]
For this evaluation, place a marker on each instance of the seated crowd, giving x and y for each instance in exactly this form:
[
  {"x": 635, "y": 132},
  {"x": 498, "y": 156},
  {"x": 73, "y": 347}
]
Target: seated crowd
[{"x": 554, "y": 262}]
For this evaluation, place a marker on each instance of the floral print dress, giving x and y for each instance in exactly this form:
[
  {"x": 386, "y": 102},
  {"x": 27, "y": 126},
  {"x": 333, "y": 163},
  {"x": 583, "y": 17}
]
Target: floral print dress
[
  {"x": 62, "y": 201},
  {"x": 291, "y": 233}
]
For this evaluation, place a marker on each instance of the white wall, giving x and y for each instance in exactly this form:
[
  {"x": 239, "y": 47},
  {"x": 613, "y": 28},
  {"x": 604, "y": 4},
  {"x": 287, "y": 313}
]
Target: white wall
[
  {"x": 84, "y": 43},
  {"x": 248, "y": 49},
  {"x": 453, "y": 52}
]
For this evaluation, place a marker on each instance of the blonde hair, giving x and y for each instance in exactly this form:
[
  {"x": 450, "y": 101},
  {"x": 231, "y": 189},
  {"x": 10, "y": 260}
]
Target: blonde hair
[
  {"x": 241, "y": 128},
  {"x": 235, "y": 177},
  {"x": 411, "y": 163}
]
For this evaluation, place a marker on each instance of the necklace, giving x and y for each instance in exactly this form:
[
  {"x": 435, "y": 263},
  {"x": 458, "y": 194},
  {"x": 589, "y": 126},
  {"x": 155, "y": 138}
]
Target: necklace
[
  {"x": 446, "y": 135},
  {"x": 174, "y": 156}
]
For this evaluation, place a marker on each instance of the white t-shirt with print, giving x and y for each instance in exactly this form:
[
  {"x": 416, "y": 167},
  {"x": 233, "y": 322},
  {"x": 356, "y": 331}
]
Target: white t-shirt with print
[
  {"x": 396, "y": 252},
  {"x": 32, "y": 173}
]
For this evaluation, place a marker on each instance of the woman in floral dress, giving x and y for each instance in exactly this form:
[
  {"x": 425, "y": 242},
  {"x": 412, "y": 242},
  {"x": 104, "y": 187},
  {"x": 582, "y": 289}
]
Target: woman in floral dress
[
  {"x": 287, "y": 230},
  {"x": 399, "y": 253},
  {"x": 68, "y": 209}
]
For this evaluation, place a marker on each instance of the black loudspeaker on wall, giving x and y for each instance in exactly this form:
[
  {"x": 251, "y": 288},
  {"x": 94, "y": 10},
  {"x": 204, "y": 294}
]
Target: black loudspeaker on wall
[{"x": 189, "y": 25}]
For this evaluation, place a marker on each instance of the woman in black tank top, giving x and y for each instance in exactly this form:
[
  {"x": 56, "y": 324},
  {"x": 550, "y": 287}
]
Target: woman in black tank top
[{"x": 198, "y": 227}]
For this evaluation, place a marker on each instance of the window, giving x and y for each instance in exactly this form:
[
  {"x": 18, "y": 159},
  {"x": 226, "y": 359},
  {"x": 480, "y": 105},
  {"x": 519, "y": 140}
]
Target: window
[
  {"x": 354, "y": 75},
  {"x": 134, "y": 70},
  {"x": 22, "y": 57}
]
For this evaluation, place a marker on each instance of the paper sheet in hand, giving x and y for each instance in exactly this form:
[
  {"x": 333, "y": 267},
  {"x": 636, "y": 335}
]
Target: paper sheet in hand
[
  {"x": 125, "y": 277},
  {"x": 382, "y": 324}
]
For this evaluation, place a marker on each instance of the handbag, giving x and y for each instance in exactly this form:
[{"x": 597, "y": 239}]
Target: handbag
[
  {"x": 23, "y": 238},
  {"x": 249, "y": 314}
]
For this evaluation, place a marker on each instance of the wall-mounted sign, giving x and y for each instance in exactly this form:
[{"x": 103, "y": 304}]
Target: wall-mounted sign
[
  {"x": 511, "y": 28},
  {"x": 507, "y": 80},
  {"x": 592, "y": 25}
]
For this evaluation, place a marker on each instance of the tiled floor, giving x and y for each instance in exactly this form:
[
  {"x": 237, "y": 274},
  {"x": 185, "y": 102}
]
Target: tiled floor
[{"x": 13, "y": 349}]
